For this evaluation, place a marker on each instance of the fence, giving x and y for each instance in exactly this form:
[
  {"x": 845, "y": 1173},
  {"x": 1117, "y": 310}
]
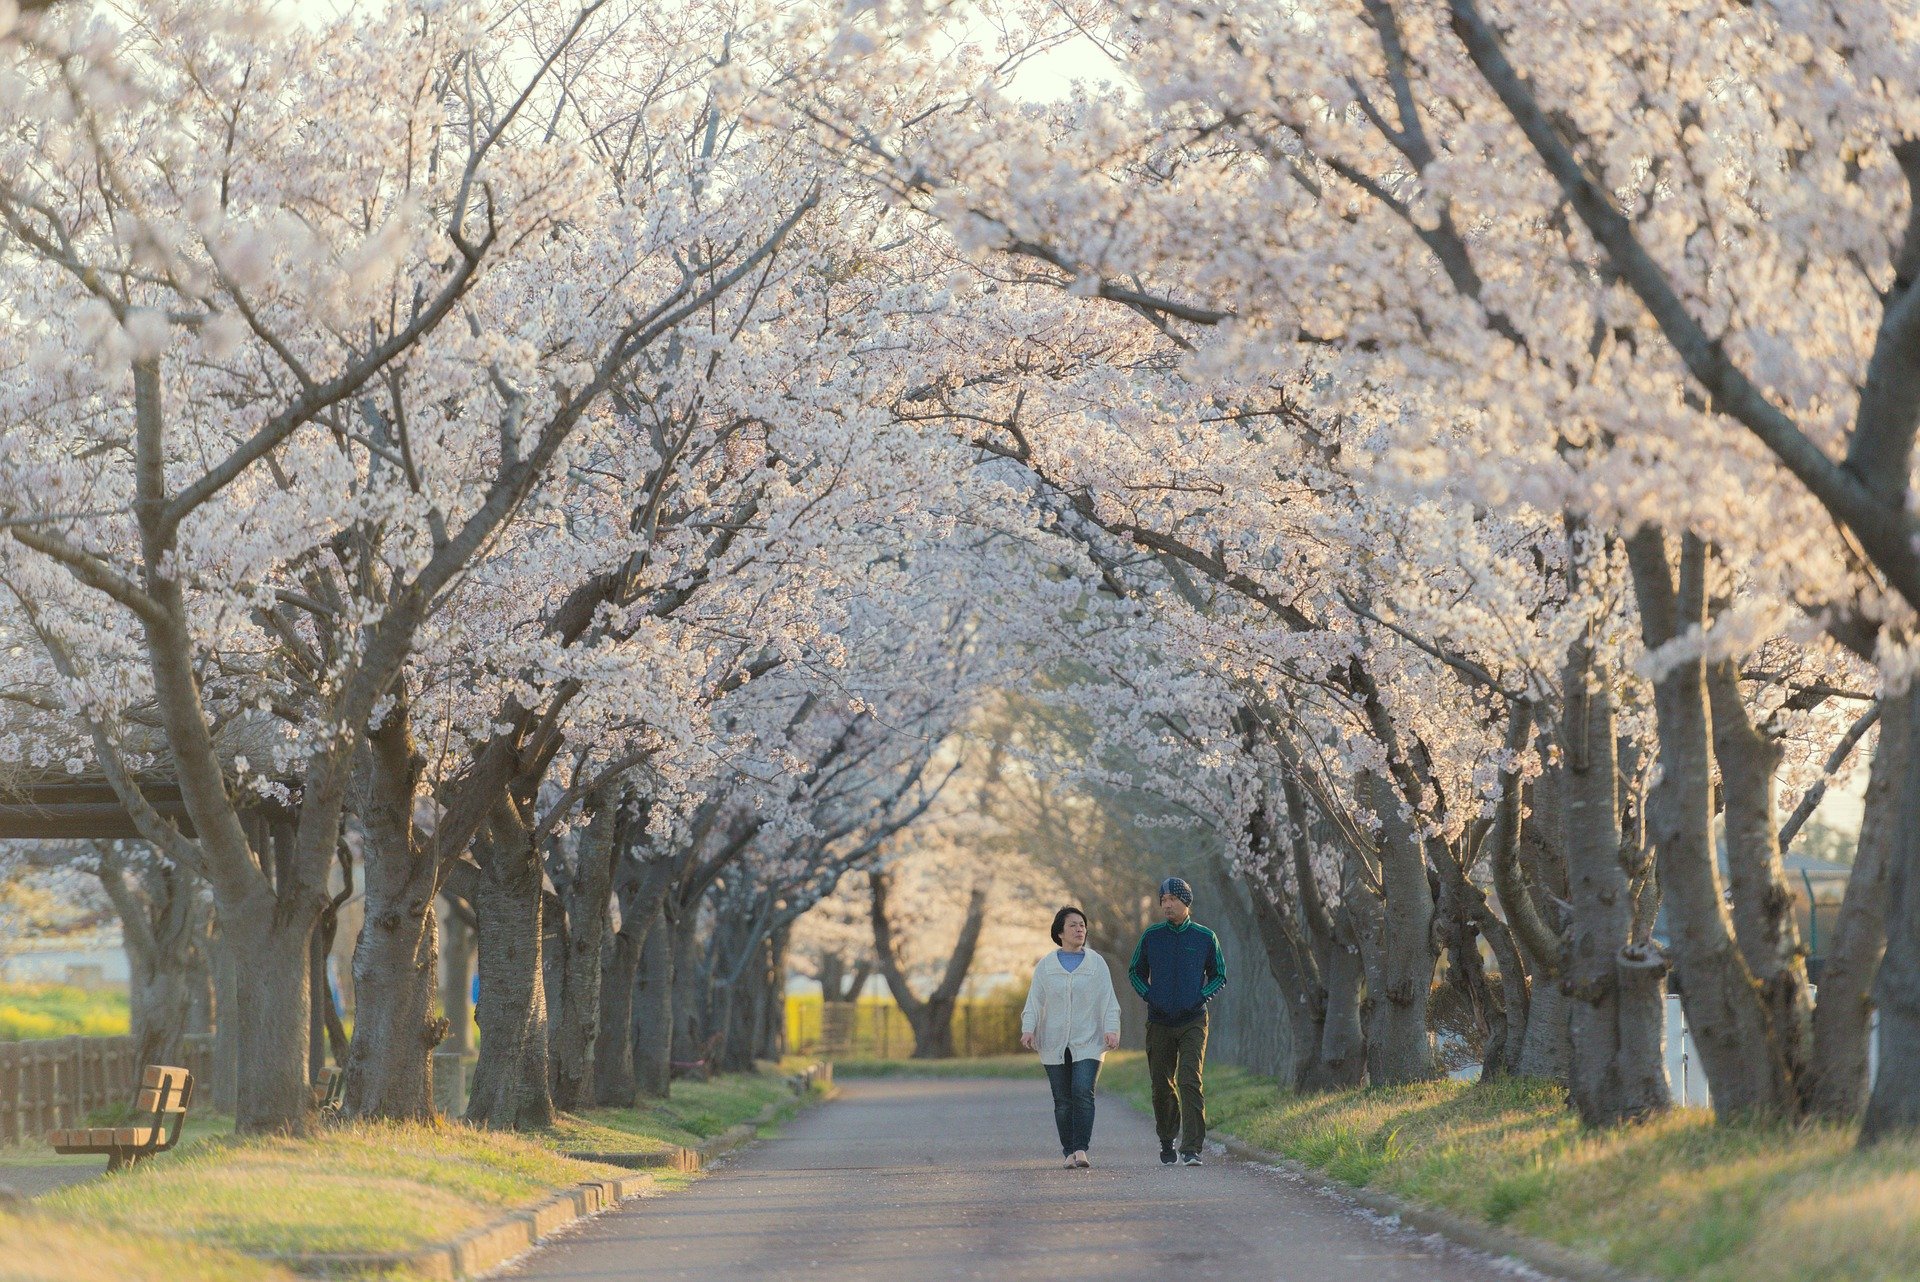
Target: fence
[
  {"x": 875, "y": 1028},
  {"x": 1689, "y": 1081},
  {"x": 56, "y": 1081}
]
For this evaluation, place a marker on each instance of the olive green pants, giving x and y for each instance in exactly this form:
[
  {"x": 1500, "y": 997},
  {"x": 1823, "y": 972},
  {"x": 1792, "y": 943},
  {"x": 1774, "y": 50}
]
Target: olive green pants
[{"x": 1174, "y": 1056}]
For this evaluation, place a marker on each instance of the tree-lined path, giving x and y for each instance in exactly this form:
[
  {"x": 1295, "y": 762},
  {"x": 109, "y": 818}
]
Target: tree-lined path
[{"x": 908, "y": 1179}]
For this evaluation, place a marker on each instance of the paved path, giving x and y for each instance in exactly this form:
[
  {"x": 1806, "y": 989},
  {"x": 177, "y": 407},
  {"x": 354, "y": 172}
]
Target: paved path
[
  {"x": 932, "y": 1179},
  {"x": 32, "y": 1181}
]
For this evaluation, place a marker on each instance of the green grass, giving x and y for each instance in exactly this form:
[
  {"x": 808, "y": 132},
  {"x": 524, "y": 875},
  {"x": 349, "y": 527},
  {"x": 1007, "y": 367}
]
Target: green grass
[
  {"x": 1675, "y": 1198},
  {"x": 28, "y": 1011},
  {"x": 356, "y": 1187},
  {"x": 201, "y": 1129},
  {"x": 695, "y": 1111}
]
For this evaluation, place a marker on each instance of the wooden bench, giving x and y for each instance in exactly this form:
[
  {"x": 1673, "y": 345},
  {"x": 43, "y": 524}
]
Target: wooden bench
[
  {"x": 330, "y": 1090},
  {"x": 164, "y": 1096}
]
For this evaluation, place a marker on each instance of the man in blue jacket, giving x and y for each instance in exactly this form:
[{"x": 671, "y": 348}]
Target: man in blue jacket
[{"x": 1177, "y": 967}]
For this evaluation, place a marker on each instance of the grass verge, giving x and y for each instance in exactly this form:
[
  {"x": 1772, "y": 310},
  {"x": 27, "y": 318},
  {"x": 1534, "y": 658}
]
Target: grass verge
[
  {"x": 358, "y": 1187},
  {"x": 696, "y": 1111},
  {"x": 42, "y": 1249},
  {"x": 361, "y": 1187},
  {"x": 1675, "y": 1198}
]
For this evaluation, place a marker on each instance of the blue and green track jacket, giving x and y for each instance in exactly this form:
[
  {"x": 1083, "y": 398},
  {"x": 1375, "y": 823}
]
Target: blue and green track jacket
[{"x": 1177, "y": 969}]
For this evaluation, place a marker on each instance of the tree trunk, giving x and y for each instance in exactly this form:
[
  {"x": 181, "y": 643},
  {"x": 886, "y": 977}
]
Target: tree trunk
[
  {"x": 319, "y": 944},
  {"x": 1528, "y": 949},
  {"x": 270, "y": 1006},
  {"x": 1547, "y": 1049},
  {"x": 1893, "y": 1107},
  {"x": 1618, "y": 1069},
  {"x": 1763, "y": 921},
  {"x": 1725, "y": 1014},
  {"x": 613, "y": 1048},
  {"x": 588, "y": 900},
  {"x": 159, "y": 911},
  {"x": 1343, "y": 1042},
  {"x": 932, "y": 1025},
  {"x": 160, "y": 1000},
  {"x": 653, "y": 1017},
  {"x": 772, "y": 1042},
  {"x": 691, "y": 1022},
  {"x": 1540, "y": 871},
  {"x": 397, "y": 957},
  {"x": 1843, "y": 1018},
  {"x": 930, "y": 1018},
  {"x": 202, "y": 1011},
  {"x": 390, "y": 1062},
  {"x": 1399, "y": 1042},
  {"x": 639, "y": 885},
  {"x": 226, "y": 1020},
  {"x": 509, "y": 1090},
  {"x": 743, "y": 1012},
  {"x": 456, "y": 978},
  {"x": 1300, "y": 984}
]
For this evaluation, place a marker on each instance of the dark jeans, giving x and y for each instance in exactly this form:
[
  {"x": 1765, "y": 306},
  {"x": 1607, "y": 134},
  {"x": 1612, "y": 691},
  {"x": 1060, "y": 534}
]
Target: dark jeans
[
  {"x": 1072, "y": 1084},
  {"x": 1174, "y": 1056}
]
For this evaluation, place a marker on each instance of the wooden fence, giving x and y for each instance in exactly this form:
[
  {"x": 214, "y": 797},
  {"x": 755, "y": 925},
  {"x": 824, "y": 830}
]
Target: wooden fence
[{"x": 56, "y": 1081}]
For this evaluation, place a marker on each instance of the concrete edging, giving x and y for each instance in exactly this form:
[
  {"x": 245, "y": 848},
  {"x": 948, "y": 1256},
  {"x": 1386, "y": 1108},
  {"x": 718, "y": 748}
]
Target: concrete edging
[
  {"x": 482, "y": 1250},
  {"x": 479, "y": 1250},
  {"x": 1549, "y": 1258}
]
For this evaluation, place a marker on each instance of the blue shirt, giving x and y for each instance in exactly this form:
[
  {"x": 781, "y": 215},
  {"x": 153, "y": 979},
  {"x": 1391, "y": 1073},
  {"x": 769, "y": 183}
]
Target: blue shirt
[{"x": 1070, "y": 962}]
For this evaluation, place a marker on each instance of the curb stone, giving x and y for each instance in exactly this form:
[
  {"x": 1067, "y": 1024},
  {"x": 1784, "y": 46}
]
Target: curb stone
[
  {"x": 482, "y": 1250},
  {"x": 1556, "y": 1261}
]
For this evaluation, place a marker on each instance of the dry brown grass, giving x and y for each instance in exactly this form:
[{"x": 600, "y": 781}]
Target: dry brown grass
[{"x": 38, "y": 1248}]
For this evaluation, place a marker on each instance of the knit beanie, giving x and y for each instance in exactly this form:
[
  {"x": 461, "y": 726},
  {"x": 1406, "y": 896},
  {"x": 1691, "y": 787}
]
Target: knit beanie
[{"x": 1179, "y": 889}]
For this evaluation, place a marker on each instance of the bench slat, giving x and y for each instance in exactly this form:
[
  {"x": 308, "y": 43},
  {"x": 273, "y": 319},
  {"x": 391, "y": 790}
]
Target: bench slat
[{"x": 160, "y": 1075}]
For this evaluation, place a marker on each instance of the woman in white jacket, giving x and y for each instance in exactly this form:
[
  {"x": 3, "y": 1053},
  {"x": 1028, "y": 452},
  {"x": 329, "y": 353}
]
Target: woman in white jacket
[{"x": 1073, "y": 1019}]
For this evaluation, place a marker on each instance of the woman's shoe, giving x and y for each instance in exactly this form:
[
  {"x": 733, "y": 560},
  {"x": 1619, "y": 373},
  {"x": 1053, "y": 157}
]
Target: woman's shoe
[
  {"x": 1080, "y": 1158},
  {"x": 1070, "y": 1163}
]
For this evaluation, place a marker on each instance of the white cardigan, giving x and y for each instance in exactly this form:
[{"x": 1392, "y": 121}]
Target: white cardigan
[{"x": 1071, "y": 1011}]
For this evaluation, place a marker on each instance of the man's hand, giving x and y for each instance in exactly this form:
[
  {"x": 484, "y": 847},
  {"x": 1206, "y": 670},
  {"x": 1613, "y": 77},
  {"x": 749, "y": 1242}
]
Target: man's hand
[
  {"x": 1113, "y": 1041},
  {"x": 1026, "y": 1040}
]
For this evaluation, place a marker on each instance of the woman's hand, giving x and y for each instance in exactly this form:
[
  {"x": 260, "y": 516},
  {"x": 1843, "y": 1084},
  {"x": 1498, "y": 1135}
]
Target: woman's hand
[
  {"x": 1113, "y": 1041},
  {"x": 1026, "y": 1040}
]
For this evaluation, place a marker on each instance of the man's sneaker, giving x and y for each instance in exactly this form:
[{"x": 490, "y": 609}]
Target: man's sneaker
[
  {"x": 1167, "y": 1157},
  {"x": 1191, "y": 1159}
]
